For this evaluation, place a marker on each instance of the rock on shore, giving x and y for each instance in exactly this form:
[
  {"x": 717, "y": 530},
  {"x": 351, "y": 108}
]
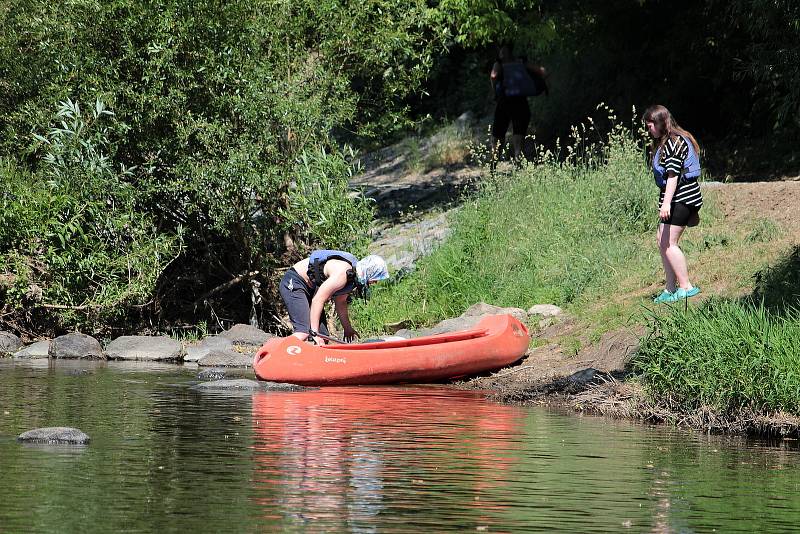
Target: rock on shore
[
  {"x": 146, "y": 348},
  {"x": 9, "y": 343},
  {"x": 76, "y": 346}
]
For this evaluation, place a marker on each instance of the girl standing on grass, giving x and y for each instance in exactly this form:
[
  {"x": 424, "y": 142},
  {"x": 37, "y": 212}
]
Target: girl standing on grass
[{"x": 676, "y": 168}]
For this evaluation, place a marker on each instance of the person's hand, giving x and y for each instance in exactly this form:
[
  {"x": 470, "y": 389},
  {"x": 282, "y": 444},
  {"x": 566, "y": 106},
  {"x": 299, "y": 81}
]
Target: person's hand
[
  {"x": 664, "y": 212},
  {"x": 315, "y": 339},
  {"x": 350, "y": 334}
]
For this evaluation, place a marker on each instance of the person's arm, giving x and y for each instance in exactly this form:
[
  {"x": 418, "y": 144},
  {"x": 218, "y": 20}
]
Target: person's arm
[
  {"x": 675, "y": 152},
  {"x": 669, "y": 192},
  {"x": 497, "y": 70},
  {"x": 539, "y": 72},
  {"x": 342, "y": 310},
  {"x": 334, "y": 283}
]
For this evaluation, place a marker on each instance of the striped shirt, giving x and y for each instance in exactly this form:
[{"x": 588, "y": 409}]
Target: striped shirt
[{"x": 673, "y": 155}]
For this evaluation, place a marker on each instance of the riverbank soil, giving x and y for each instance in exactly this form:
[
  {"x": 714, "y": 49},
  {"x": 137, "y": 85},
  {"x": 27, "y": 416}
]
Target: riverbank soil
[{"x": 580, "y": 358}]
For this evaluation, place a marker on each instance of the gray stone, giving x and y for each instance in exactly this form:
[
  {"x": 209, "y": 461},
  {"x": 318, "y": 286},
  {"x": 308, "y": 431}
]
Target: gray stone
[
  {"x": 9, "y": 343},
  {"x": 408, "y": 334},
  {"x": 244, "y": 384},
  {"x": 197, "y": 350},
  {"x": 215, "y": 373},
  {"x": 228, "y": 358},
  {"x": 481, "y": 310},
  {"x": 545, "y": 310},
  {"x": 144, "y": 348},
  {"x": 35, "y": 350},
  {"x": 465, "y": 321},
  {"x": 55, "y": 435},
  {"x": 76, "y": 346},
  {"x": 244, "y": 334},
  {"x": 583, "y": 376},
  {"x": 471, "y": 317}
]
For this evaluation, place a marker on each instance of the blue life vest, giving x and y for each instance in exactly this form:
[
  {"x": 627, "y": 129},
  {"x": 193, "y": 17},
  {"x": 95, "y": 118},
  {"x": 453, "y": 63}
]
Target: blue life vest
[
  {"x": 316, "y": 269},
  {"x": 690, "y": 171}
]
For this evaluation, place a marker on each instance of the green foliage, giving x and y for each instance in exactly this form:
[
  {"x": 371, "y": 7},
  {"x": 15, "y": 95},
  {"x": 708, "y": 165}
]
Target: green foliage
[
  {"x": 771, "y": 54},
  {"x": 224, "y": 121},
  {"x": 724, "y": 354},
  {"x": 70, "y": 234},
  {"x": 763, "y": 230},
  {"x": 555, "y": 231}
]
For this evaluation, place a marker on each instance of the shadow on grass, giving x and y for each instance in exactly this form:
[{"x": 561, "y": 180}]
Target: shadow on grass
[{"x": 778, "y": 286}]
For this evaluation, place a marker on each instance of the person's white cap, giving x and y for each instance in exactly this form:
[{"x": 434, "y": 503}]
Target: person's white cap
[{"x": 371, "y": 268}]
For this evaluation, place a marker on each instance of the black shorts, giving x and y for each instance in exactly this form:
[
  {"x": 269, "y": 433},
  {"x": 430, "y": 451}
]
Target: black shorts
[
  {"x": 297, "y": 297},
  {"x": 512, "y": 110},
  {"x": 680, "y": 213}
]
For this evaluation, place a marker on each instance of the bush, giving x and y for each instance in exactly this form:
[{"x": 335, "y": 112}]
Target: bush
[
  {"x": 70, "y": 236},
  {"x": 222, "y": 136},
  {"x": 725, "y": 354}
]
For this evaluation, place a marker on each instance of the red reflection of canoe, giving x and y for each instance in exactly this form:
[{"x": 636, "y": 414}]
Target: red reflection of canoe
[{"x": 496, "y": 341}]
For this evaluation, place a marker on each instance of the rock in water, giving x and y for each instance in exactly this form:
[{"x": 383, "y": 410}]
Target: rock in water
[
  {"x": 249, "y": 385},
  {"x": 55, "y": 435}
]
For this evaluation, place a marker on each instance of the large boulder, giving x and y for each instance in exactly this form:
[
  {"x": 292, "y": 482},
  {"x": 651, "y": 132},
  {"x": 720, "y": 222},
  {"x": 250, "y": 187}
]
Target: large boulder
[
  {"x": 76, "y": 346},
  {"x": 39, "y": 349},
  {"x": 195, "y": 351},
  {"x": 244, "y": 334},
  {"x": 54, "y": 435},
  {"x": 145, "y": 348},
  {"x": 466, "y": 320},
  {"x": 226, "y": 358},
  {"x": 9, "y": 344}
]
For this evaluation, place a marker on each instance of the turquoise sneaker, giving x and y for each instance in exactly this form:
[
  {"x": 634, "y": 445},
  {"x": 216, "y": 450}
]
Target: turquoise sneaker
[
  {"x": 681, "y": 294},
  {"x": 663, "y": 297}
]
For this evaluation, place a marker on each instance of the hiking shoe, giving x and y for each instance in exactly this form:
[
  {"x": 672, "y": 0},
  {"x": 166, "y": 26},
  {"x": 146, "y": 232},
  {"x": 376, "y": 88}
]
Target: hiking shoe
[
  {"x": 665, "y": 296},
  {"x": 681, "y": 294}
]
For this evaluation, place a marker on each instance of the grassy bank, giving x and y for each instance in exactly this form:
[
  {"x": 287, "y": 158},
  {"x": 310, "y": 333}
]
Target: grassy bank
[
  {"x": 580, "y": 233},
  {"x": 553, "y": 231}
]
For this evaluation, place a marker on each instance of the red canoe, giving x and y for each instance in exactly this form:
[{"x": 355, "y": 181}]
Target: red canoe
[{"x": 496, "y": 341}]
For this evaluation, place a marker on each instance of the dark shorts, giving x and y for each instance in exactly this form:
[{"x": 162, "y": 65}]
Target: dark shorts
[
  {"x": 297, "y": 297},
  {"x": 512, "y": 110},
  {"x": 680, "y": 213}
]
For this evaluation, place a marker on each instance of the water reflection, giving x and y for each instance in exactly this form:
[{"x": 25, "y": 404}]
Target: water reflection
[
  {"x": 325, "y": 452},
  {"x": 164, "y": 456}
]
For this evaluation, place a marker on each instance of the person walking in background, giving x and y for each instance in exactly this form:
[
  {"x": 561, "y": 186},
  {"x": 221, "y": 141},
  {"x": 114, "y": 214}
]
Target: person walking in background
[
  {"x": 513, "y": 81},
  {"x": 327, "y": 275},
  {"x": 675, "y": 162}
]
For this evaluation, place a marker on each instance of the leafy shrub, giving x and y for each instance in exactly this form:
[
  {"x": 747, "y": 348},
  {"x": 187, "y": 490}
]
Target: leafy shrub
[{"x": 69, "y": 233}]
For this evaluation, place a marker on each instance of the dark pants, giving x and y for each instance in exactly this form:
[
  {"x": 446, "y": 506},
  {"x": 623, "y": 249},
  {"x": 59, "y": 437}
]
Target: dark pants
[
  {"x": 681, "y": 214},
  {"x": 512, "y": 110},
  {"x": 297, "y": 297}
]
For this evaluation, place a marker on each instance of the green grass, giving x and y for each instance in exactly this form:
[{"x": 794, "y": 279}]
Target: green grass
[
  {"x": 580, "y": 232},
  {"x": 552, "y": 232},
  {"x": 726, "y": 354}
]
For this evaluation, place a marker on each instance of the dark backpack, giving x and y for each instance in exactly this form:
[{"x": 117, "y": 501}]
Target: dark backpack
[{"x": 517, "y": 80}]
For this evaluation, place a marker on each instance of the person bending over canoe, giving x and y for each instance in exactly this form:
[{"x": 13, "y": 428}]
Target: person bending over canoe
[{"x": 327, "y": 275}]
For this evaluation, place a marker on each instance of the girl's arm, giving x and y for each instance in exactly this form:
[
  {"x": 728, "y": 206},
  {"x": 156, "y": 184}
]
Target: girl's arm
[{"x": 669, "y": 192}]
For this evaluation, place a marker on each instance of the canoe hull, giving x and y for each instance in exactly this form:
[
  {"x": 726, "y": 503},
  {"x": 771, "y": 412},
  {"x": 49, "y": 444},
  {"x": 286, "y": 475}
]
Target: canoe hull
[{"x": 496, "y": 341}]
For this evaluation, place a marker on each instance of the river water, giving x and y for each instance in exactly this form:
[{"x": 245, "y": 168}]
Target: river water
[{"x": 170, "y": 458}]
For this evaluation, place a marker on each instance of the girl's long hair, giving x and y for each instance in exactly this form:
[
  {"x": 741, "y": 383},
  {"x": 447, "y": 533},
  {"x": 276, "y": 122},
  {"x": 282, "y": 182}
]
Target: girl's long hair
[{"x": 662, "y": 118}]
